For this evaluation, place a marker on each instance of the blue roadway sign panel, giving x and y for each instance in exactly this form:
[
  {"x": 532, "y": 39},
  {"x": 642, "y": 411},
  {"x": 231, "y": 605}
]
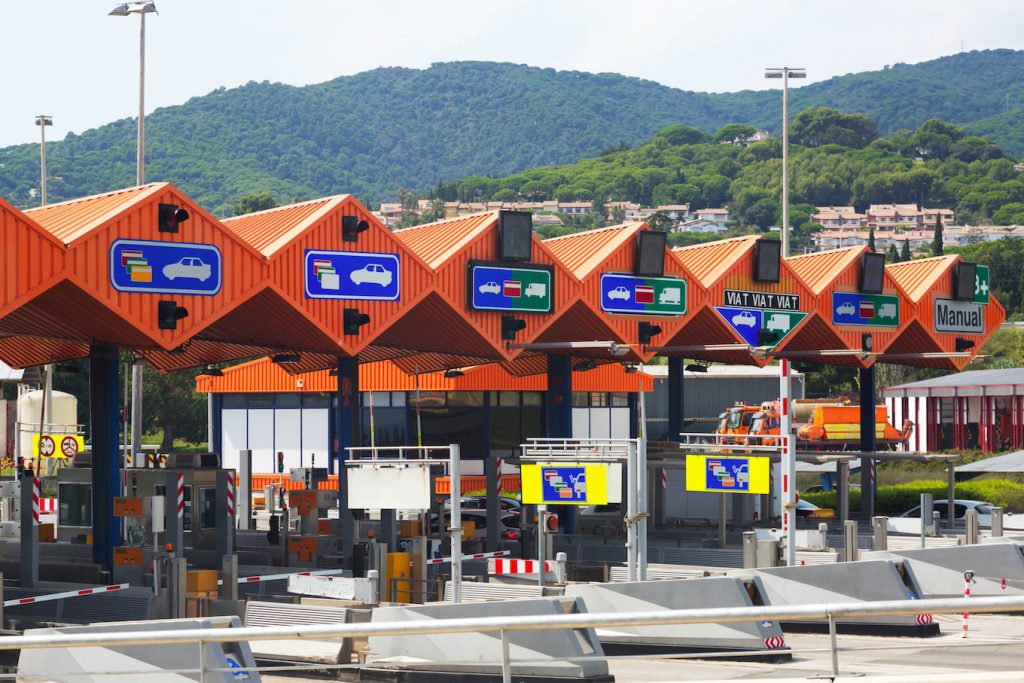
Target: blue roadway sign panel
[
  {"x": 499, "y": 287},
  {"x": 151, "y": 267},
  {"x": 352, "y": 275},
  {"x": 746, "y": 321},
  {"x": 643, "y": 295}
]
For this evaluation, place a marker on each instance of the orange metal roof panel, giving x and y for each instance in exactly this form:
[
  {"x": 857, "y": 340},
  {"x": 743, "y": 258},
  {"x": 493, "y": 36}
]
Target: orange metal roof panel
[
  {"x": 820, "y": 269},
  {"x": 582, "y": 252},
  {"x": 31, "y": 259},
  {"x": 263, "y": 376},
  {"x": 70, "y": 220},
  {"x": 24, "y": 352},
  {"x": 917, "y": 277},
  {"x": 437, "y": 242},
  {"x": 712, "y": 260},
  {"x": 269, "y": 230}
]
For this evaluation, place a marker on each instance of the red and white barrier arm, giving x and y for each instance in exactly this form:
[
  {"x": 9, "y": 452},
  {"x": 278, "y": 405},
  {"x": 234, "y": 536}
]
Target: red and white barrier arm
[
  {"x": 67, "y": 594},
  {"x": 518, "y": 567},
  {"x": 272, "y": 577},
  {"x": 475, "y": 556}
]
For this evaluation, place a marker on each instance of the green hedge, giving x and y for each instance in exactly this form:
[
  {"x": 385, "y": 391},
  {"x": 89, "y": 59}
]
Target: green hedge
[{"x": 900, "y": 498}]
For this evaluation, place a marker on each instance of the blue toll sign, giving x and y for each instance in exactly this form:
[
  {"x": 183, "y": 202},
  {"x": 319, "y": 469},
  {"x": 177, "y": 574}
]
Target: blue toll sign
[
  {"x": 727, "y": 474},
  {"x": 352, "y": 275},
  {"x": 564, "y": 484},
  {"x": 621, "y": 293},
  {"x": 510, "y": 288},
  {"x": 150, "y": 267},
  {"x": 746, "y": 321}
]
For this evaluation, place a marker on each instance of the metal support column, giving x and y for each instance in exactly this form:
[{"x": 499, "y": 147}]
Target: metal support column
[
  {"x": 558, "y": 412},
  {"x": 244, "y": 500},
  {"x": 105, "y": 405},
  {"x": 29, "y": 569},
  {"x": 675, "y": 426},
  {"x": 492, "y": 477},
  {"x": 867, "y": 443},
  {"x": 347, "y": 434},
  {"x": 843, "y": 490}
]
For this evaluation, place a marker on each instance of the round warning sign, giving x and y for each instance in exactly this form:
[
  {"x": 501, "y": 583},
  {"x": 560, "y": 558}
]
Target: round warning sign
[
  {"x": 46, "y": 446},
  {"x": 69, "y": 446}
]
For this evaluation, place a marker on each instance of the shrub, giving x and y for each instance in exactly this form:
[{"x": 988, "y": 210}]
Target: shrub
[{"x": 894, "y": 500}]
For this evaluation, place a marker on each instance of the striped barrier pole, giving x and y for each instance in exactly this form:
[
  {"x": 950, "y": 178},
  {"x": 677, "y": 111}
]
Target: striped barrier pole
[
  {"x": 231, "y": 494},
  {"x": 36, "y": 495},
  {"x": 968, "y": 580},
  {"x": 67, "y": 594},
  {"x": 476, "y": 556},
  {"x": 272, "y": 577},
  {"x": 181, "y": 495}
]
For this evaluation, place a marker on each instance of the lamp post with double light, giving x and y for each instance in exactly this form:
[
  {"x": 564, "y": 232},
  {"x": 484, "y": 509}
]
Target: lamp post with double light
[{"x": 785, "y": 73}]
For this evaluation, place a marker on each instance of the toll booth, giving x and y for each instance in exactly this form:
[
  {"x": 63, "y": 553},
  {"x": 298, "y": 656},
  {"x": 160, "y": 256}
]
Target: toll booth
[{"x": 199, "y": 518}]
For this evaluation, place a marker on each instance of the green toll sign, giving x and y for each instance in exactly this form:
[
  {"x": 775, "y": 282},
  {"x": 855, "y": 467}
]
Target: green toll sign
[{"x": 982, "y": 285}]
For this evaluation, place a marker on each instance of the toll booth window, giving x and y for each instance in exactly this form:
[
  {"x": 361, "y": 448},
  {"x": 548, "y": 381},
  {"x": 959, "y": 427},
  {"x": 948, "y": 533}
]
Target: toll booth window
[
  {"x": 381, "y": 399},
  {"x": 508, "y": 399},
  {"x": 75, "y": 505},
  {"x": 580, "y": 399},
  {"x": 234, "y": 401},
  {"x": 207, "y": 508},
  {"x": 315, "y": 401},
  {"x": 288, "y": 401},
  {"x": 397, "y": 399},
  {"x": 598, "y": 399},
  {"x": 261, "y": 400},
  {"x": 186, "y": 518},
  {"x": 389, "y": 425},
  {"x": 533, "y": 398},
  {"x": 619, "y": 399},
  {"x": 465, "y": 399}
]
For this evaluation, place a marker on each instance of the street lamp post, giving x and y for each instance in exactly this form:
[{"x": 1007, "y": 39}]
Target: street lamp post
[
  {"x": 785, "y": 73},
  {"x": 142, "y": 9},
  {"x": 124, "y": 10},
  {"x": 785, "y": 382},
  {"x": 43, "y": 121}
]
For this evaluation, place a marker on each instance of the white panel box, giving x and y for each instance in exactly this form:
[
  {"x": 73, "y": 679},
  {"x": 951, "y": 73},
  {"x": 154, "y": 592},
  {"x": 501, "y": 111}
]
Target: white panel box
[{"x": 389, "y": 488}]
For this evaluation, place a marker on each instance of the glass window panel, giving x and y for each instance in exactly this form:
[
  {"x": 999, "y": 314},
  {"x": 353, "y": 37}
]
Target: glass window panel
[
  {"x": 533, "y": 398},
  {"x": 75, "y": 504},
  {"x": 236, "y": 401},
  {"x": 288, "y": 400},
  {"x": 580, "y": 399},
  {"x": 315, "y": 400},
  {"x": 598, "y": 399},
  {"x": 397, "y": 399},
  {"x": 465, "y": 398},
  {"x": 619, "y": 399},
  {"x": 261, "y": 400},
  {"x": 207, "y": 508},
  {"x": 508, "y": 398}
]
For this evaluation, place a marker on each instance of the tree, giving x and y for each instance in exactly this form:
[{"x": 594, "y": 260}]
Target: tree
[
  {"x": 761, "y": 214},
  {"x": 891, "y": 255},
  {"x": 659, "y": 220},
  {"x": 905, "y": 250},
  {"x": 174, "y": 407},
  {"x": 819, "y": 126},
  {"x": 436, "y": 209},
  {"x": 734, "y": 131},
  {"x": 937, "y": 239},
  {"x": 681, "y": 135},
  {"x": 618, "y": 215},
  {"x": 871, "y": 239},
  {"x": 256, "y": 201}
]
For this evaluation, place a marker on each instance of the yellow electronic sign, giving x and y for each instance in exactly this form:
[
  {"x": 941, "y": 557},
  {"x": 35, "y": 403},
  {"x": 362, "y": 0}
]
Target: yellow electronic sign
[
  {"x": 727, "y": 474},
  {"x": 60, "y": 446},
  {"x": 565, "y": 484}
]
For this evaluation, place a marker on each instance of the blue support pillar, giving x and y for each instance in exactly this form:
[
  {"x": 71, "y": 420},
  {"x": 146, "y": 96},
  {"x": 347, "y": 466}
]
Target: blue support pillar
[
  {"x": 105, "y": 401},
  {"x": 347, "y": 433},
  {"x": 558, "y": 399},
  {"x": 675, "y": 398},
  {"x": 868, "y": 479}
]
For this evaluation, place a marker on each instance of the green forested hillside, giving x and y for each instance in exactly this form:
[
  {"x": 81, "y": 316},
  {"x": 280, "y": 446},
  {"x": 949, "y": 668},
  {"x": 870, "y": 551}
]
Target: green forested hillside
[{"x": 374, "y": 132}]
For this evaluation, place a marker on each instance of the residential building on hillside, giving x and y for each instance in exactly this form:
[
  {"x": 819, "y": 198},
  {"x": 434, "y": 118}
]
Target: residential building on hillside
[
  {"x": 838, "y": 217},
  {"x": 699, "y": 225},
  {"x": 953, "y": 236},
  {"x": 716, "y": 215},
  {"x": 908, "y": 215},
  {"x": 632, "y": 211}
]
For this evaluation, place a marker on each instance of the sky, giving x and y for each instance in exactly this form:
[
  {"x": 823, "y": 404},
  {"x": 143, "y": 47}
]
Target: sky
[{"x": 70, "y": 60}]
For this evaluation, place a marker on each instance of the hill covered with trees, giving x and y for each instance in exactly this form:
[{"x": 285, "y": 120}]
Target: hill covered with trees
[{"x": 377, "y": 131}]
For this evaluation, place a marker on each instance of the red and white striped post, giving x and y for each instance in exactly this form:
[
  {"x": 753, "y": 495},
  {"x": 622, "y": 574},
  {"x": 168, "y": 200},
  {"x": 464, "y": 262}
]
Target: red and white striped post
[
  {"x": 231, "y": 494},
  {"x": 968, "y": 580},
  {"x": 36, "y": 495},
  {"x": 181, "y": 495}
]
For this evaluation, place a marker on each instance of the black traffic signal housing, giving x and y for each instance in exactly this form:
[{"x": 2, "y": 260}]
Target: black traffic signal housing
[
  {"x": 280, "y": 462},
  {"x": 171, "y": 216},
  {"x": 510, "y": 326},
  {"x": 767, "y": 337},
  {"x": 169, "y": 313},
  {"x": 549, "y": 520},
  {"x": 647, "y": 331},
  {"x": 962, "y": 344},
  {"x": 351, "y": 226},
  {"x": 354, "y": 320}
]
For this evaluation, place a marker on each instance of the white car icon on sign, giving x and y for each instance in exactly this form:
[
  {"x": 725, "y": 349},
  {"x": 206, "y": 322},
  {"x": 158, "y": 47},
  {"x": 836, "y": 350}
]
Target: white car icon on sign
[
  {"x": 373, "y": 273},
  {"x": 489, "y": 288},
  {"x": 846, "y": 309},
  {"x": 619, "y": 292},
  {"x": 188, "y": 267},
  {"x": 745, "y": 318}
]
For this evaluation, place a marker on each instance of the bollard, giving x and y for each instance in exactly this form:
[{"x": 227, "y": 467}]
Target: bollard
[
  {"x": 850, "y": 540},
  {"x": 561, "y": 570},
  {"x": 374, "y": 578},
  {"x": 971, "y": 528},
  {"x": 997, "y": 522},
  {"x": 29, "y": 540},
  {"x": 229, "y": 577},
  {"x": 880, "y": 526},
  {"x": 749, "y": 549},
  {"x": 968, "y": 580},
  {"x": 178, "y": 581},
  {"x": 928, "y": 526}
]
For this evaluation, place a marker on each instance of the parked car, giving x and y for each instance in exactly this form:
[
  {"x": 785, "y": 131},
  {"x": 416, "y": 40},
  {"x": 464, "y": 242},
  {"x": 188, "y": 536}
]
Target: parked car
[
  {"x": 508, "y": 523},
  {"x": 808, "y": 511},
  {"x": 960, "y": 508},
  {"x": 480, "y": 503}
]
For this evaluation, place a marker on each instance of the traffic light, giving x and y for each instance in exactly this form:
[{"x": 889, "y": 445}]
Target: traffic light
[
  {"x": 169, "y": 313},
  {"x": 549, "y": 520},
  {"x": 171, "y": 216},
  {"x": 647, "y": 331},
  {"x": 963, "y": 344},
  {"x": 351, "y": 226},
  {"x": 510, "y": 325},
  {"x": 767, "y": 337},
  {"x": 354, "y": 320},
  {"x": 280, "y": 462}
]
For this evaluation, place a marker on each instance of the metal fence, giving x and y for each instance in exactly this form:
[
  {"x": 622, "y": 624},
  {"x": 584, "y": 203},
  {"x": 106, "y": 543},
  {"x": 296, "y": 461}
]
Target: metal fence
[{"x": 503, "y": 626}]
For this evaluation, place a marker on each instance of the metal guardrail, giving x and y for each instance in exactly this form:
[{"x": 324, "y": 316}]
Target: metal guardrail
[{"x": 504, "y": 625}]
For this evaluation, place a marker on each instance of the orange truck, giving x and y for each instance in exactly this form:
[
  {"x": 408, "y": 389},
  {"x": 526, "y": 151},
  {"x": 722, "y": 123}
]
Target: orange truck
[{"x": 832, "y": 426}]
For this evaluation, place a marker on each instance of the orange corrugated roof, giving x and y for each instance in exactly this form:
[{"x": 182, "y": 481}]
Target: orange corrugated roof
[
  {"x": 271, "y": 229},
  {"x": 711, "y": 260},
  {"x": 67, "y": 221},
  {"x": 264, "y": 376},
  {"x": 437, "y": 242},
  {"x": 916, "y": 277},
  {"x": 582, "y": 252},
  {"x": 820, "y": 269}
]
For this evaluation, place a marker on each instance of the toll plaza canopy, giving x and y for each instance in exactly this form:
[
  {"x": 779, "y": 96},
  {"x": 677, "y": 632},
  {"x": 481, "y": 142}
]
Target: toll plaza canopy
[{"x": 147, "y": 269}]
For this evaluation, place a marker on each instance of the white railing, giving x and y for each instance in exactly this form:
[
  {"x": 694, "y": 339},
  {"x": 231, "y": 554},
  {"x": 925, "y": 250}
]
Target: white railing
[{"x": 505, "y": 625}]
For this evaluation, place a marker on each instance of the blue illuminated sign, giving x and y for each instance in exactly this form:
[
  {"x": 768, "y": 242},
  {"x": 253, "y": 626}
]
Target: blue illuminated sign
[
  {"x": 727, "y": 474},
  {"x": 621, "y": 293},
  {"x": 352, "y": 275},
  {"x": 150, "y": 267},
  {"x": 522, "y": 288},
  {"x": 564, "y": 484}
]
